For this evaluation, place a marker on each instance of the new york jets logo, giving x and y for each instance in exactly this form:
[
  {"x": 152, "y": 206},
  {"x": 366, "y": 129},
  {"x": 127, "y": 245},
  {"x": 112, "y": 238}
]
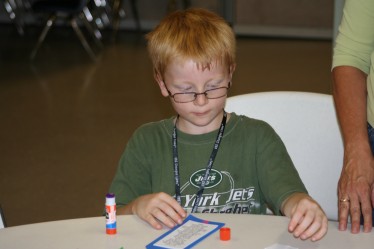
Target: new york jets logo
[{"x": 214, "y": 178}]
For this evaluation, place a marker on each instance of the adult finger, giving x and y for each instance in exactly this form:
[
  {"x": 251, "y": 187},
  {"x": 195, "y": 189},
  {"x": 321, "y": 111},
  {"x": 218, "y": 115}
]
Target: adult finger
[
  {"x": 355, "y": 213},
  {"x": 367, "y": 212},
  {"x": 343, "y": 210}
]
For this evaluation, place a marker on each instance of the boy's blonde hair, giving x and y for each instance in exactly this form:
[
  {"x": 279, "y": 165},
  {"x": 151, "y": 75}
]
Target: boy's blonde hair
[{"x": 195, "y": 34}]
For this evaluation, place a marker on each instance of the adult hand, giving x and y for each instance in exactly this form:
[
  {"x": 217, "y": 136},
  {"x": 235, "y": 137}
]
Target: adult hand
[
  {"x": 157, "y": 209},
  {"x": 356, "y": 189},
  {"x": 308, "y": 221}
]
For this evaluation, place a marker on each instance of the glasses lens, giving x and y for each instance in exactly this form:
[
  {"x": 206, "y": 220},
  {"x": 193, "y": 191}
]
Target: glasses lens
[
  {"x": 210, "y": 94},
  {"x": 216, "y": 93},
  {"x": 184, "y": 97}
]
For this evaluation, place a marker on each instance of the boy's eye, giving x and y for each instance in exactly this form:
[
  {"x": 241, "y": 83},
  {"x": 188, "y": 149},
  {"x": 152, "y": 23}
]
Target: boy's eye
[
  {"x": 184, "y": 89},
  {"x": 210, "y": 87}
]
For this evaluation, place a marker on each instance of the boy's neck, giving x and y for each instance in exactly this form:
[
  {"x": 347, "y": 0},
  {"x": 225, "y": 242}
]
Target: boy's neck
[{"x": 192, "y": 129}]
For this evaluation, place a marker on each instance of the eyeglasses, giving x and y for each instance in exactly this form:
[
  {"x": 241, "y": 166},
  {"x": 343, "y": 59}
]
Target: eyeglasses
[{"x": 186, "y": 97}]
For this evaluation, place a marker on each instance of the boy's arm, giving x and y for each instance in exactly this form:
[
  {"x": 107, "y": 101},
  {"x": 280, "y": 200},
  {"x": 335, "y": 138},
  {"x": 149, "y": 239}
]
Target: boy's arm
[
  {"x": 156, "y": 209},
  {"x": 127, "y": 209},
  {"x": 307, "y": 217}
]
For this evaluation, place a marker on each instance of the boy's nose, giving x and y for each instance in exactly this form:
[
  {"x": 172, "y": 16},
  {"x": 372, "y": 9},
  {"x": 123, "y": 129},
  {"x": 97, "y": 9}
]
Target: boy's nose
[{"x": 201, "y": 99}]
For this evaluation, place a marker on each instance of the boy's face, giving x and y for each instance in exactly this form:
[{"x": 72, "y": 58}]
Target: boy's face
[{"x": 201, "y": 115}]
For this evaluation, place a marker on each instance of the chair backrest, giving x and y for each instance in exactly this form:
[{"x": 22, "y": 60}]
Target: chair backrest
[
  {"x": 308, "y": 126},
  {"x": 2, "y": 221}
]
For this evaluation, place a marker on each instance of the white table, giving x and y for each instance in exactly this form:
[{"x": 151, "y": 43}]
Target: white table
[{"x": 247, "y": 231}]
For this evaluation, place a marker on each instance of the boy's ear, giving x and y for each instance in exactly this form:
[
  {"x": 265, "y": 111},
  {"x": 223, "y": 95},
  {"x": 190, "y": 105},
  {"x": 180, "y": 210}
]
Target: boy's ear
[
  {"x": 232, "y": 70},
  {"x": 161, "y": 83},
  {"x": 231, "y": 73}
]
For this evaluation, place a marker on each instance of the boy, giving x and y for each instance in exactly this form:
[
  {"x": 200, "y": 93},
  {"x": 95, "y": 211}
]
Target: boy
[{"x": 204, "y": 159}]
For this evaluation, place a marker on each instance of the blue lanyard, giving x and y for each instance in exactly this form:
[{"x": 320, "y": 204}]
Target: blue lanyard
[{"x": 208, "y": 167}]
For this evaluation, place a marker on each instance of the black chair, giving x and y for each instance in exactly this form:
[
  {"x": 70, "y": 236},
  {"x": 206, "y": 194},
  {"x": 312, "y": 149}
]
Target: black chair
[
  {"x": 16, "y": 11},
  {"x": 118, "y": 12},
  {"x": 74, "y": 11}
]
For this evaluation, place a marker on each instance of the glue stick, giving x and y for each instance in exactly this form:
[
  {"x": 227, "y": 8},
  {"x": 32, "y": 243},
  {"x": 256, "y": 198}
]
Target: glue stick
[{"x": 110, "y": 214}]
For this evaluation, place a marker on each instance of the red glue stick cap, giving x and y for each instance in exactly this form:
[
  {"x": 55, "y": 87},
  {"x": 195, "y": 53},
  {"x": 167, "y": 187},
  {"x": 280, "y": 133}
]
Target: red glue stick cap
[
  {"x": 225, "y": 233},
  {"x": 111, "y": 231}
]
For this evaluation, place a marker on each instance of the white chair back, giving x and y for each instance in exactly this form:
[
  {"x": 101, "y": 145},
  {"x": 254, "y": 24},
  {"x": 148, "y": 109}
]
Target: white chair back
[
  {"x": 2, "y": 222},
  {"x": 308, "y": 126}
]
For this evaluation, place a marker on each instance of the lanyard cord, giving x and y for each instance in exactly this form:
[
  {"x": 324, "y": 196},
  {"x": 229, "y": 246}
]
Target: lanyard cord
[{"x": 208, "y": 167}]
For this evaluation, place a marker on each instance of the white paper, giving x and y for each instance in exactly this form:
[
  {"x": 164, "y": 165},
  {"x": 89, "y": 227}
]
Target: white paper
[
  {"x": 279, "y": 246},
  {"x": 185, "y": 235}
]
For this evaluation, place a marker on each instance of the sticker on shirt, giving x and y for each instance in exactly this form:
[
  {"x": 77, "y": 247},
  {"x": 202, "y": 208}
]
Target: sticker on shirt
[
  {"x": 220, "y": 194},
  {"x": 214, "y": 178}
]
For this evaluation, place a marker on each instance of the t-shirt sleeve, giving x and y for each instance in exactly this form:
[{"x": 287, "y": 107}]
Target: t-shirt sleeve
[
  {"x": 278, "y": 178},
  {"x": 133, "y": 177},
  {"x": 355, "y": 40}
]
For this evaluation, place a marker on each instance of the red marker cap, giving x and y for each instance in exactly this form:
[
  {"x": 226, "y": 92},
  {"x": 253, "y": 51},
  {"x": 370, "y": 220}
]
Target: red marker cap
[{"x": 225, "y": 233}]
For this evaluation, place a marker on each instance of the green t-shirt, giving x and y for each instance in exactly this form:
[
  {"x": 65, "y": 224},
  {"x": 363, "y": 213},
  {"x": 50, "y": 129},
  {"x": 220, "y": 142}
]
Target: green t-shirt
[{"x": 252, "y": 169}]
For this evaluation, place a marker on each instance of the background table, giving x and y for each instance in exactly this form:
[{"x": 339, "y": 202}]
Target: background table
[{"x": 247, "y": 231}]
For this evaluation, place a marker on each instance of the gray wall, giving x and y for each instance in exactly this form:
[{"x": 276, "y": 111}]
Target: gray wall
[
  {"x": 291, "y": 18},
  {"x": 285, "y": 18}
]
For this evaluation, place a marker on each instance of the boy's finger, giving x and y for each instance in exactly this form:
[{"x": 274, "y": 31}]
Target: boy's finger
[
  {"x": 162, "y": 217},
  {"x": 296, "y": 219},
  {"x": 321, "y": 232},
  {"x": 311, "y": 230},
  {"x": 155, "y": 223},
  {"x": 176, "y": 208},
  {"x": 303, "y": 226}
]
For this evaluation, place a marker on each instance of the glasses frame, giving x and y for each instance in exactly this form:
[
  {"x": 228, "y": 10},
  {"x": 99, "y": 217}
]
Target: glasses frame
[{"x": 205, "y": 93}]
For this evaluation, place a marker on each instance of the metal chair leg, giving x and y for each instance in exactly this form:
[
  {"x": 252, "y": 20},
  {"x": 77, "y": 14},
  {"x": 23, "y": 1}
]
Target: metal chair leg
[
  {"x": 42, "y": 36},
  {"x": 135, "y": 12},
  {"x": 95, "y": 32},
  {"x": 117, "y": 4},
  {"x": 83, "y": 40},
  {"x": 117, "y": 7},
  {"x": 15, "y": 10}
]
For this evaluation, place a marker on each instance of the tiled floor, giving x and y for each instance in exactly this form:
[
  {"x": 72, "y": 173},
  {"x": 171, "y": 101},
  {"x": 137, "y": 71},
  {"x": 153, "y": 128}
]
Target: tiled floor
[{"x": 64, "y": 120}]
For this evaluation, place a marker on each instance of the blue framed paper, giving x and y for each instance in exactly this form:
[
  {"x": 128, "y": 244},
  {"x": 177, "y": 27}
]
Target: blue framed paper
[{"x": 186, "y": 235}]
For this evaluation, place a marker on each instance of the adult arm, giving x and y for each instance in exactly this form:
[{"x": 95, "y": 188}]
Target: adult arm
[{"x": 357, "y": 176}]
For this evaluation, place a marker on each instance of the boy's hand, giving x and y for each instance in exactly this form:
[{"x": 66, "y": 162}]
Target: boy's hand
[
  {"x": 308, "y": 221},
  {"x": 157, "y": 209}
]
